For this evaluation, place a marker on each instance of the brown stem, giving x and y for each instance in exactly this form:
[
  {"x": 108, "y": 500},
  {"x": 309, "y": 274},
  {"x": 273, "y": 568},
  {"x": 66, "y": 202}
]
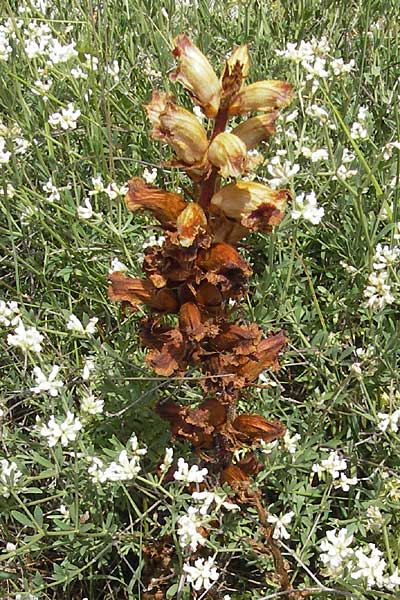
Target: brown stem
[{"x": 208, "y": 185}]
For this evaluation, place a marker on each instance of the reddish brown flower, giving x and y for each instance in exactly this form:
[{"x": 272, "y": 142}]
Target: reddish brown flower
[
  {"x": 165, "y": 206},
  {"x": 261, "y": 95},
  {"x": 139, "y": 291}
]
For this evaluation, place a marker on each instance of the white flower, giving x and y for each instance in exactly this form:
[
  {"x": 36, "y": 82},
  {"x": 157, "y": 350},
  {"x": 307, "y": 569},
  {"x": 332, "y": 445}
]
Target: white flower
[
  {"x": 188, "y": 525},
  {"x": 51, "y": 191},
  {"x": 385, "y": 256},
  {"x": 50, "y": 384},
  {"x": 9, "y": 313},
  {"x": 358, "y": 131},
  {"x": 88, "y": 367},
  {"x": 281, "y": 173},
  {"x": 150, "y": 176},
  {"x": 65, "y": 432},
  {"x": 289, "y": 118},
  {"x": 305, "y": 206},
  {"x": 168, "y": 459},
  {"x": 344, "y": 173},
  {"x": 198, "y": 114},
  {"x": 348, "y": 156},
  {"x": 67, "y": 118},
  {"x": 113, "y": 70},
  {"x": 339, "y": 67},
  {"x": 280, "y": 530},
  {"x": 42, "y": 87},
  {"x": 346, "y": 482},
  {"x": 336, "y": 548},
  {"x": 4, "y": 155},
  {"x": 304, "y": 52},
  {"x": 387, "y": 150},
  {"x": 86, "y": 212},
  {"x": 10, "y": 190},
  {"x": 389, "y": 421},
  {"x": 117, "y": 266},
  {"x": 202, "y": 574},
  {"x": 113, "y": 190},
  {"x": 126, "y": 468},
  {"x": 393, "y": 580},
  {"x": 78, "y": 73},
  {"x": 75, "y": 325},
  {"x": 192, "y": 475},
  {"x": 332, "y": 465},
  {"x": 320, "y": 154},
  {"x": 370, "y": 568},
  {"x": 61, "y": 53},
  {"x": 154, "y": 241},
  {"x": 363, "y": 113},
  {"x": 317, "y": 112},
  {"x": 10, "y": 547},
  {"x": 98, "y": 185},
  {"x": 356, "y": 369},
  {"x": 9, "y": 476},
  {"x": 378, "y": 292},
  {"x": 92, "y": 405},
  {"x": 290, "y": 441},
  {"x": 92, "y": 62},
  {"x": 208, "y": 498},
  {"x": 29, "y": 339},
  {"x": 267, "y": 447},
  {"x": 375, "y": 519}
]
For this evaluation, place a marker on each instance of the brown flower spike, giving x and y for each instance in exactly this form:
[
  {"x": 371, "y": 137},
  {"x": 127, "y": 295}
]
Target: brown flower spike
[{"x": 198, "y": 270}]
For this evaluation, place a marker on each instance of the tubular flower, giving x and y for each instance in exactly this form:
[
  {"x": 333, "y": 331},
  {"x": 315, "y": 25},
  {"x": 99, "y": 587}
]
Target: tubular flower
[
  {"x": 197, "y": 75},
  {"x": 262, "y": 95},
  {"x": 229, "y": 153},
  {"x": 254, "y": 205},
  {"x": 177, "y": 127},
  {"x": 239, "y": 59},
  {"x": 255, "y": 130},
  {"x": 190, "y": 222},
  {"x": 165, "y": 206}
]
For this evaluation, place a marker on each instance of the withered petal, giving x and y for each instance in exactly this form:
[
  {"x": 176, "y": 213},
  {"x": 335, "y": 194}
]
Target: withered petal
[
  {"x": 222, "y": 257},
  {"x": 255, "y": 427},
  {"x": 165, "y": 206},
  {"x": 266, "y": 356},
  {"x": 190, "y": 223},
  {"x": 129, "y": 289}
]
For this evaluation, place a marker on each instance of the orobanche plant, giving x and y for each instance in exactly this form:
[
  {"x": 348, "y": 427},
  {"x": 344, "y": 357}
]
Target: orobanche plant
[{"x": 198, "y": 272}]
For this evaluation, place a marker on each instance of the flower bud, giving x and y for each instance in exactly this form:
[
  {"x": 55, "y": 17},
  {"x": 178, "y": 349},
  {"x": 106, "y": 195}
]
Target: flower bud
[
  {"x": 190, "y": 222},
  {"x": 229, "y": 153},
  {"x": 165, "y": 206},
  {"x": 254, "y": 205},
  {"x": 239, "y": 59},
  {"x": 177, "y": 127},
  {"x": 197, "y": 75},
  {"x": 262, "y": 95},
  {"x": 255, "y": 130}
]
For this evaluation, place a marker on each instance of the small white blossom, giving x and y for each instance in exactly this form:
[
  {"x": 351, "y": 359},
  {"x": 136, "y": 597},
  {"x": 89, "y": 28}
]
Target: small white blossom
[
  {"x": 92, "y": 405},
  {"x": 290, "y": 441},
  {"x": 113, "y": 190},
  {"x": 209, "y": 498},
  {"x": 98, "y": 185},
  {"x": 65, "y": 432},
  {"x": 281, "y": 172},
  {"x": 154, "y": 240},
  {"x": 113, "y": 70},
  {"x": 75, "y": 325},
  {"x": 51, "y": 191},
  {"x": 344, "y": 173},
  {"x": 10, "y": 190},
  {"x": 387, "y": 150},
  {"x": 317, "y": 112},
  {"x": 117, "y": 266},
  {"x": 67, "y": 118},
  {"x": 4, "y": 155},
  {"x": 192, "y": 475},
  {"x": 393, "y": 581},
  {"x": 345, "y": 482},
  {"x": 375, "y": 519},
  {"x": 61, "y": 53},
  {"x": 370, "y": 567},
  {"x": 202, "y": 574},
  {"x": 48, "y": 385},
  {"x": 320, "y": 154},
  {"x": 88, "y": 367},
  {"x": 9, "y": 476},
  {"x": 150, "y": 176},
  {"x": 9, "y": 313},
  {"x": 86, "y": 212},
  {"x": 358, "y": 131},
  {"x": 336, "y": 548},
  {"x": 28, "y": 339},
  {"x": 332, "y": 465},
  {"x": 168, "y": 460},
  {"x": 339, "y": 67},
  {"x": 188, "y": 526},
  {"x": 305, "y": 206},
  {"x": 280, "y": 531},
  {"x": 348, "y": 156},
  {"x": 389, "y": 421},
  {"x": 378, "y": 291},
  {"x": 385, "y": 256}
]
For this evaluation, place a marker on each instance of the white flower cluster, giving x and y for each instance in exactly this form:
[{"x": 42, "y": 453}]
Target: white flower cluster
[
  {"x": 11, "y": 137},
  {"x": 333, "y": 466},
  {"x": 9, "y": 313},
  {"x": 9, "y": 476},
  {"x": 280, "y": 523},
  {"x": 48, "y": 385},
  {"x": 112, "y": 190},
  {"x": 359, "y": 129},
  {"x": 192, "y": 475},
  {"x": 362, "y": 563},
  {"x": 289, "y": 443},
  {"x": 76, "y": 326},
  {"x": 126, "y": 467},
  {"x": 64, "y": 432},
  {"x": 28, "y": 339},
  {"x": 67, "y": 118},
  {"x": 117, "y": 266},
  {"x": 202, "y": 574},
  {"x": 150, "y": 176},
  {"x": 281, "y": 172},
  {"x": 314, "y": 57},
  {"x": 51, "y": 190},
  {"x": 378, "y": 291},
  {"x": 306, "y": 207}
]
